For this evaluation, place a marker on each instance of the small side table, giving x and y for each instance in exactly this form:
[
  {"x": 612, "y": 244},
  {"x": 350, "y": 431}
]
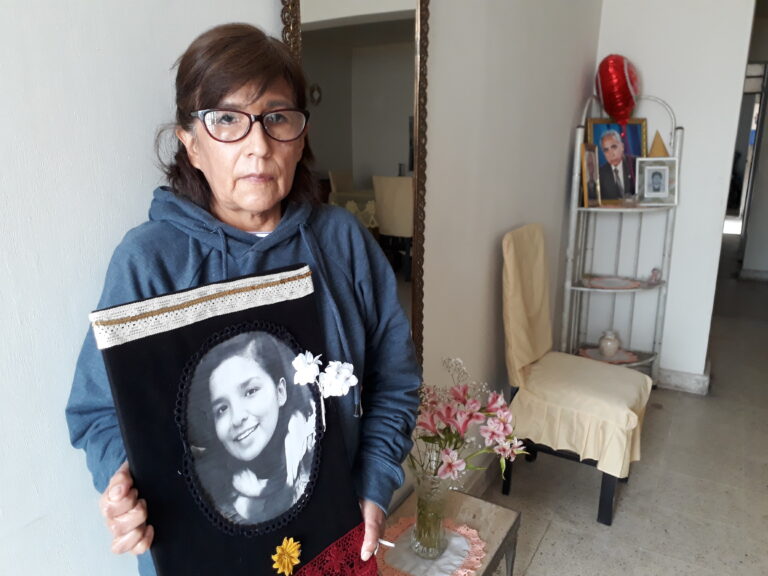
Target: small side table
[{"x": 495, "y": 524}]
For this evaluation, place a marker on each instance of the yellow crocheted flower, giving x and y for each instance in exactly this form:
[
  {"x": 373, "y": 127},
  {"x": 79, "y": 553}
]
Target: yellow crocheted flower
[{"x": 286, "y": 556}]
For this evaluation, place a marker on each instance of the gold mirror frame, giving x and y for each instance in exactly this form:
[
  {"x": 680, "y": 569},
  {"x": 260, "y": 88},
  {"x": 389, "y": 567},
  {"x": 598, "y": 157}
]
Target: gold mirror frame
[{"x": 291, "y": 19}]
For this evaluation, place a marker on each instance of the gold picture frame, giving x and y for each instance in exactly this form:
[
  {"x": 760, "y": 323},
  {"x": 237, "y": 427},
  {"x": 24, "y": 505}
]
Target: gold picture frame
[
  {"x": 623, "y": 144},
  {"x": 590, "y": 176},
  {"x": 636, "y": 133}
]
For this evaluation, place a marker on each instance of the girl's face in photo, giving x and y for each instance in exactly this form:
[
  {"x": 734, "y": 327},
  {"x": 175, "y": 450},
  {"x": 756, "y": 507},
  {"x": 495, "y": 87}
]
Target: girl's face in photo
[{"x": 246, "y": 403}]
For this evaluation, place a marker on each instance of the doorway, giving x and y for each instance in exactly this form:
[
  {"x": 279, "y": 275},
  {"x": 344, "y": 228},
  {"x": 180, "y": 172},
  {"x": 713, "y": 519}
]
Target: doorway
[{"x": 745, "y": 152}]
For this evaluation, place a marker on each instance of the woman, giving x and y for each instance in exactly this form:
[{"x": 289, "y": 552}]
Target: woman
[
  {"x": 241, "y": 201},
  {"x": 251, "y": 431}
]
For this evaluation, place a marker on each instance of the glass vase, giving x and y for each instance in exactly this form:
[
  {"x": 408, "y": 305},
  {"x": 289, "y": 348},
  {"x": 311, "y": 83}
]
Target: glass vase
[{"x": 428, "y": 538}]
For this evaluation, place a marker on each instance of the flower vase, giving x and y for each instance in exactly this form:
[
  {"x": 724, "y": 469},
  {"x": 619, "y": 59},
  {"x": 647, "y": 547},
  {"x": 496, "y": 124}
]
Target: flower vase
[{"x": 428, "y": 538}]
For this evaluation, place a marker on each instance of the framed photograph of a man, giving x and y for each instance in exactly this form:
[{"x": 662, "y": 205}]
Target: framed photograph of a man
[
  {"x": 589, "y": 175},
  {"x": 657, "y": 181},
  {"x": 617, "y": 149}
]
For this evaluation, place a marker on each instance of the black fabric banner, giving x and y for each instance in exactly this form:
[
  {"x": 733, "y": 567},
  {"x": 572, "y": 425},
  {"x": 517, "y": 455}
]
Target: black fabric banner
[{"x": 230, "y": 454}]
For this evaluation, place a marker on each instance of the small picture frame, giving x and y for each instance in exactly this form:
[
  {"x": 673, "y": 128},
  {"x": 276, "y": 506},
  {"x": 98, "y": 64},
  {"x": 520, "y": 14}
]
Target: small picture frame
[
  {"x": 590, "y": 177},
  {"x": 657, "y": 181}
]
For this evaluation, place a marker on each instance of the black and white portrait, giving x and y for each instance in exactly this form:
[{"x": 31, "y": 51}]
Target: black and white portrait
[
  {"x": 657, "y": 181},
  {"x": 250, "y": 429}
]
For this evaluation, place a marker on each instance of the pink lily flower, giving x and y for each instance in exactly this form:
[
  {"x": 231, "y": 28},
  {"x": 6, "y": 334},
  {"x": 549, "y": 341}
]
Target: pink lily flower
[
  {"x": 493, "y": 432},
  {"x": 447, "y": 413},
  {"x": 507, "y": 418},
  {"x": 452, "y": 465},
  {"x": 463, "y": 420},
  {"x": 509, "y": 449},
  {"x": 428, "y": 421},
  {"x": 473, "y": 405},
  {"x": 460, "y": 393},
  {"x": 496, "y": 402}
]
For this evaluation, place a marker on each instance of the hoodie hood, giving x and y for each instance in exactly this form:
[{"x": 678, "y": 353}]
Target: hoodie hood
[
  {"x": 240, "y": 251},
  {"x": 200, "y": 224}
]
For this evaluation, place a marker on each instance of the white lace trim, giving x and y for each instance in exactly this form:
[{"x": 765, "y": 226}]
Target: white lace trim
[{"x": 121, "y": 324}]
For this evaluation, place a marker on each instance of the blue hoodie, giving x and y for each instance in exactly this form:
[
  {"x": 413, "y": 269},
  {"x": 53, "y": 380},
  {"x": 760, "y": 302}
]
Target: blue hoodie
[{"x": 183, "y": 246}]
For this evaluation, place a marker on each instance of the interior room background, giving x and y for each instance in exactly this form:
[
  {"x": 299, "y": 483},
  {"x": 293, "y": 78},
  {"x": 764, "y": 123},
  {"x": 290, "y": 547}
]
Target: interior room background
[{"x": 86, "y": 85}]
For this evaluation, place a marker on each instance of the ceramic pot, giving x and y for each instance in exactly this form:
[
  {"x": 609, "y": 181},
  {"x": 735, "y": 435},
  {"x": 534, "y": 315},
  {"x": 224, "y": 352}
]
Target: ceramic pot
[{"x": 609, "y": 343}]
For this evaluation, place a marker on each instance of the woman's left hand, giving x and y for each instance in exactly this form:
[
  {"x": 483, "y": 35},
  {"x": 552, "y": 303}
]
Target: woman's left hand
[{"x": 374, "y": 519}]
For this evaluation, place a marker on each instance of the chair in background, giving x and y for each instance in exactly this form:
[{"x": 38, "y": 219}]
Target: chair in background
[
  {"x": 341, "y": 185},
  {"x": 565, "y": 405},
  {"x": 394, "y": 214}
]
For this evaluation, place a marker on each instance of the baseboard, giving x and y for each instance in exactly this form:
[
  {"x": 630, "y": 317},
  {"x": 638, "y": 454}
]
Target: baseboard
[
  {"x": 750, "y": 274},
  {"x": 684, "y": 381}
]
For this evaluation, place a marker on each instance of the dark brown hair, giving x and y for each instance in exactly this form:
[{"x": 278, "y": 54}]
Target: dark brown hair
[{"x": 217, "y": 63}]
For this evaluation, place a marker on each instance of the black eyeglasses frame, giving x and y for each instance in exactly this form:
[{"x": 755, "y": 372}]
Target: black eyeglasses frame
[{"x": 254, "y": 118}]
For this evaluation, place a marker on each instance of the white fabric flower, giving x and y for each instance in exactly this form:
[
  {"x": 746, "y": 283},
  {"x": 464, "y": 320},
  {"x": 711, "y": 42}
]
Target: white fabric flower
[
  {"x": 307, "y": 368},
  {"x": 337, "y": 379}
]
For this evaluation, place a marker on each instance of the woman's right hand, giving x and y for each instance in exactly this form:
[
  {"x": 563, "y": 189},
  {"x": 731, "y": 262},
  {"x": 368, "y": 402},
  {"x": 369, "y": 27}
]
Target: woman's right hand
[{"x": 126, "y": 514}]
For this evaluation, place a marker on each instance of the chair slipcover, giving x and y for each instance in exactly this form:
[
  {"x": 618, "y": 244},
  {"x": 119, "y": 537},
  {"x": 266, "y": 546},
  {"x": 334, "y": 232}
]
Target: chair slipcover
[
  {"x": 394, "y": 205},
  {"x": 564, "y": 402},
  {"x": 341, "y": 182}
]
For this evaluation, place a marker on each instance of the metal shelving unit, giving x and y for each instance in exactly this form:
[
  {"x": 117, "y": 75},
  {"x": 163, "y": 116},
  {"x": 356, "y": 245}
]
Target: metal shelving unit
[{"x": 620, "y": 234}]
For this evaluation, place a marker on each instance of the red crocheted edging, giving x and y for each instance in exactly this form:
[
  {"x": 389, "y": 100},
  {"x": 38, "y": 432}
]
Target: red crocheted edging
[{"x": 342, "y": 558}]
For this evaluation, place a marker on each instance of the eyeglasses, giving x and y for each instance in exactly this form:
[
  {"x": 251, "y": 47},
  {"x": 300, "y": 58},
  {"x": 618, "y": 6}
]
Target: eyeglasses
[{"x": 283, "y": 125}]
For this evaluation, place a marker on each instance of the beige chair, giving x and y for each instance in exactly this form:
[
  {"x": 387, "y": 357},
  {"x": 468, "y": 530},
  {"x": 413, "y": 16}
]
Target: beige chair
[
  {"x": 341, "y": 184},
  {"x": 394, "y": 215},
  {"x": 564, "y": 405}
]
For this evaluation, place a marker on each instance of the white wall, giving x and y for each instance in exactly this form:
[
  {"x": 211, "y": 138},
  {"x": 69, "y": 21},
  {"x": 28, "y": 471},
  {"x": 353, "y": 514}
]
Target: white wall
[
  {"x": 755, "y": 263},
  {"x": 382, "y": 102},
  {"x": 321, "y": 13},
  {"x": 328, "y": 63},
  {"x": 694, "y": 59},
  {"x": 366, "y": 76},
  {"x": 85, "y": 84},
  {"x": 507, "y": 83}
]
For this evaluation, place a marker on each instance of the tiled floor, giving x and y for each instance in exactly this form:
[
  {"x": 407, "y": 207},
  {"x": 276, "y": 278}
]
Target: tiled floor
[{"x": 697, "y": 502}]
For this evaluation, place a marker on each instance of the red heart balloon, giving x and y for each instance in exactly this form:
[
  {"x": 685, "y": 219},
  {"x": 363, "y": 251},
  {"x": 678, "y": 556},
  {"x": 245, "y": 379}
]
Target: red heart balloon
[{"x": 618, "y": 87}]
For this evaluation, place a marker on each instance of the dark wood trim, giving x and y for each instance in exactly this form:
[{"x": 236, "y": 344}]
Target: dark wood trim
[
  {"x": 291, "y": 19},
  {"x": 420, "y": 180}
]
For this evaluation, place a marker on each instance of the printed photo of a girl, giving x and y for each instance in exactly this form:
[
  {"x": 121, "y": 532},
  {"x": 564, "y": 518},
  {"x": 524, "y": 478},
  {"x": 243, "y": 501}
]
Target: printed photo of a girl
[{"x": 250, "y": 429}]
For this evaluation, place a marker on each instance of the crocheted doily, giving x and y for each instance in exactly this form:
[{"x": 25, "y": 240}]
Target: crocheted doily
[{"x": 464, "y": 554}]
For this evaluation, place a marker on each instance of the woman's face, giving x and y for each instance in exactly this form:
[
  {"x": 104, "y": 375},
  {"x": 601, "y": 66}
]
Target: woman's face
[
  {"x": 249, "y": 178},
  {"x": 246, "y": 403}
]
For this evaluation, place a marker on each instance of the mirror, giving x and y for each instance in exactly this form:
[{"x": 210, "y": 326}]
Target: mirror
[{"x": 382, "y": 38}]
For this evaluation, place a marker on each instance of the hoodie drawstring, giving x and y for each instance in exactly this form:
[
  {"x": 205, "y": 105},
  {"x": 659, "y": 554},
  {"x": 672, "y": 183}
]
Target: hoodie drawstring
[
  {"x": 311, "y": 243},
  {"x": 224, "y": 254}
]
